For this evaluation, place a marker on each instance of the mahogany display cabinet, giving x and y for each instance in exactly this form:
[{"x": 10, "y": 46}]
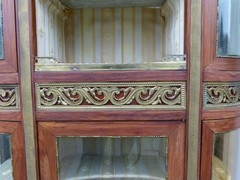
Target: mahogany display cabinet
[
  {"x": 12, "y": 149},
  {"x": 119, "y": 89},
  {"x": 104, "y": 89}
]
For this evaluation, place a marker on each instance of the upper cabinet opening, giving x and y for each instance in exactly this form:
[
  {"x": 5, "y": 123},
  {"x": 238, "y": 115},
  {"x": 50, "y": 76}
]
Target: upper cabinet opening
[
  {"x": 228, "y": 28},
  {"x": 110, "y": 34}
]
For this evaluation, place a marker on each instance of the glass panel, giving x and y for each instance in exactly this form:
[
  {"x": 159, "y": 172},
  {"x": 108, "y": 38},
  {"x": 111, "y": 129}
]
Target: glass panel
[
  {"x": 229, "y": 28},
  {"x": 1, "y": 33},
  {"x": 112, "y": 158},
  {"x": 109, "y": 32},
  {"x": 6, "y": 169},
  {"x": 226, "y": 156}
]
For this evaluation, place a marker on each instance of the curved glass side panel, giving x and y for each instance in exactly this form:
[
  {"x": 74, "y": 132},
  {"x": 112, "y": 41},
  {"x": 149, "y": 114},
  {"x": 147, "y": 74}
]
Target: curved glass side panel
[
  {"x": 228, "y": 28},
  {"x": 1, "y": 33},
  {"x": 6, "y": 169},
  {"x": 226, "y": 156},
  {"x": 112, "y": 158}
]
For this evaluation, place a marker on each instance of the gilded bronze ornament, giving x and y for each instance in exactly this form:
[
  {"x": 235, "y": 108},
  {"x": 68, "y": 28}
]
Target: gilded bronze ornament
[
  {"x": 221, "y": 94},
  {"x": 111, "y": 95},
  {"x": 9, "y": 97}
]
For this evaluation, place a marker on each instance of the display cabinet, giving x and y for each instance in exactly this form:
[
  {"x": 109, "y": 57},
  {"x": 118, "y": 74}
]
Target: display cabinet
[
  {"x": 220, "y": 115},
  {"x": 110, "y": 81},
  {"x": 12, "y": 156},
  {"x": 220, "y": 40},
  {"x": 220, "y": 149},
  {"x": 116, "y": 150},
  {"x": 8, "y": 37}
]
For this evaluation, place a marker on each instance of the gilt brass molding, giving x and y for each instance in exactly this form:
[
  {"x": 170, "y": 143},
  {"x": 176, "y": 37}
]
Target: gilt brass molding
[
  {"x": 173, "y": 62},
  {"x": 9, "y": 97},
  {"x": 134, "y": 95},
  {"x": 217, "y": 95}
]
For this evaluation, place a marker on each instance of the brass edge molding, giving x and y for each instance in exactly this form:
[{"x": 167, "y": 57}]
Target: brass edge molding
[
  {"x": 194, "y": 102},
  {"x": 23, "y": 9},
  {"x": 173, "y": 62},
  {"x": 219, "y": 95},
  {"x": 132, "y": 95},
  {"x": 9, "y": 97}
]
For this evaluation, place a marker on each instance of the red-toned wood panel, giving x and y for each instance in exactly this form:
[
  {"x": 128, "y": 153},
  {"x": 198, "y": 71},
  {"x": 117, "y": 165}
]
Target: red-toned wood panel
[
  {"x": 9, "y": 78},
  {"x": 109, "y": 76},
  {"x": 209, "y": 129},
  {"x": 10, "y": 116},
  {"x": 206, "y": 156},
  {"x": 117, "y": 115},
  {"x": 223, "y": 113},
  {"x": 9, "y": 63},
  {"x": 18, "y": 155},
  {"x": 215, "y": 68},
  {"x": 48, "y": 131},
  {"x": 218, "y": 76}
]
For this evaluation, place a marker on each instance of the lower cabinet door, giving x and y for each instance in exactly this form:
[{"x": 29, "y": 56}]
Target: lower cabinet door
[
  {"x": 220, "y": 158},
  {"x": 12, "y": 157},
  {"x": 151, "y": 150}
]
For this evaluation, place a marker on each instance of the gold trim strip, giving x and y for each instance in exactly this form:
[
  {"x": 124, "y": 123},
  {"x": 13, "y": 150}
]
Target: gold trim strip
[
  {"x": 173, "y": 62},
  {"x": 219, "y": 95},
  {"x": 9, "y": 97},
  {"x": 195, "y": 89},
  {"x": 26, "y": 88},
  {"x": 133, "y": 95}
]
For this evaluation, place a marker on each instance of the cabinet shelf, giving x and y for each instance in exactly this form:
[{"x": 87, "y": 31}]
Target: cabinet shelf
[{"x": 86, "y": 35}]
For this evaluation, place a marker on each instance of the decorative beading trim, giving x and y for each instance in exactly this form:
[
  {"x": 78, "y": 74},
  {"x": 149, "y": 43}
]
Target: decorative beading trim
[
  {"x": 217, "y": 95},
  {"x": 9, "y": 97}
]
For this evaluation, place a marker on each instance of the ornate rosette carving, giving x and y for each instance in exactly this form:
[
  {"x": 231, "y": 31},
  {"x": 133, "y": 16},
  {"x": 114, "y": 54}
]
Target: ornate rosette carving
[
  {"x": 217, "y": 95},
  {"x": 9, "y": 97},
  {"x": 111, "y": 95}
]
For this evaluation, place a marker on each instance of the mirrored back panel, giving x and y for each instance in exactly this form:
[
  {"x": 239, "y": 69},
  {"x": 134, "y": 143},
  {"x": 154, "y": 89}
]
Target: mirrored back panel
[
  {"x": 6, "y": 169},
  {"x": 112, "y": 158},
  {"x": 228, "y": 28},
  {"x": 109, "y": 33},
  {"x": 226, "y": 156}
]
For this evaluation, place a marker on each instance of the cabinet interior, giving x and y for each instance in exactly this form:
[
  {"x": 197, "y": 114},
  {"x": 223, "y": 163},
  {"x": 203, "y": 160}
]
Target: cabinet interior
[
  {"x": 114, "y": 32},
  {"x": 112, "y": 157}
]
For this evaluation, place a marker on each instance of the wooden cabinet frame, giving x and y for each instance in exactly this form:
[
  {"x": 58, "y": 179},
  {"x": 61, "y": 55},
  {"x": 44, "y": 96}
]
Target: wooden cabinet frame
[
  {"x": 215, "y": 68},
  {"x": 9, "y": 63},
  {"x": 17, "y": 140},
  {"x": 209, "y": 129},
  {"x": 48, "y": 131}
]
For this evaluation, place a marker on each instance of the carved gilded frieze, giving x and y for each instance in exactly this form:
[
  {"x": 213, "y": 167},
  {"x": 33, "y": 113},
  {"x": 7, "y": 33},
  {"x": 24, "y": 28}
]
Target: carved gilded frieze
[
  {"x": 9, "y": 97},
  {"x": 217, "y": 95},
  {"x": 111, "y": 95}
]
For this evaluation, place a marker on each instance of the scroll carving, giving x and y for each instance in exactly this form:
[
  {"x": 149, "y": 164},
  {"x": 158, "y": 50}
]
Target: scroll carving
[
  {"x": 221, "y": 94},
  {"x": 9, "y": 97},
  {"x": 111, "y": 95}
]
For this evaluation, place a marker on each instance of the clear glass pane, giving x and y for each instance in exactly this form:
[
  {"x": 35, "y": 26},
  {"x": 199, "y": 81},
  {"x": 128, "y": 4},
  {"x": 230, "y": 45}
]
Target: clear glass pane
[
  {"x": 226, "y": 156},
  {"x": 229, "y": 28},
  {"x": 101, "y": 32},
  {"x": 112, "y": 158},
  {"x": 6, "y": 169},
  {"x": 1, "y": 33}
]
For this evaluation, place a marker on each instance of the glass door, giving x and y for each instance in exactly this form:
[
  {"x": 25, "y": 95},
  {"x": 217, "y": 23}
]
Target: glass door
[
  {"x": 111, "y": 151},
  {"x": 8, "y": 40}
]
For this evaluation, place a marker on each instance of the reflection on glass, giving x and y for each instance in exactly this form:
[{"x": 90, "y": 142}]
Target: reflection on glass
[
  {"x": 1, "y": 32},
  {"x": 229, "y": 28},
  {"x": 226, "y": 156},
  {"x": 5, "y": 157},
  {"x": 112, "y": 158}
]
